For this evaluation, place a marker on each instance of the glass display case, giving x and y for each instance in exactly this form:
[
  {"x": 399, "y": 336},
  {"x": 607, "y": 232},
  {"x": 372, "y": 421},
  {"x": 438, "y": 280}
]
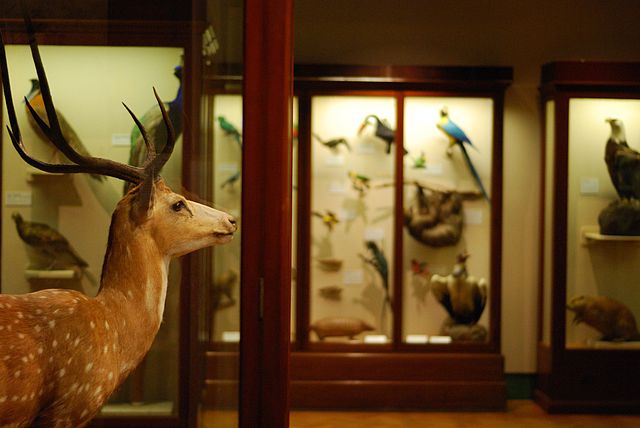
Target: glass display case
[
  {"x": 588, "y": 340},
  {"x": 100, "y": 56},
  {"x": 398, "y": 228}
]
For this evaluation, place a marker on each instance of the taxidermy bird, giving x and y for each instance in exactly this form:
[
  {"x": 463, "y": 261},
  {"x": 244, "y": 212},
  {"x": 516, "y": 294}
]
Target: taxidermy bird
[
  {"x": 34, "y": 99},
  {"x": 420, "y": 162},
  {"x": 463, "y": 296},
  {"x": 457, "y": 137},
  {"x": 230, "y": 130},
  {"x": 419, "y": 268},
  {"x": 379, "y": 263},
  {"x": 333, "y": 144},
  {"x": 231, "y": 180},
  {"x": 383, "y": 130},
  {"x": 622, "y": 162},
  {"x": 329, "y": 218},
  {"x": 48, "y": 242},
  {"x": 152, "y": 121},
  {"x": 359, "y": 182}
]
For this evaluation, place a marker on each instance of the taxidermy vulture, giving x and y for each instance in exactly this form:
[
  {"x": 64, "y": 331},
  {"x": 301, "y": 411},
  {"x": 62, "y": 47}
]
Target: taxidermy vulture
[
  {"x": 622, "y": 162},
  {"x": 463, "y": 296}
]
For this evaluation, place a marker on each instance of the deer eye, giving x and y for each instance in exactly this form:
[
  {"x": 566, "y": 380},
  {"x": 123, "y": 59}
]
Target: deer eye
[{"x": 178, "y": 206}]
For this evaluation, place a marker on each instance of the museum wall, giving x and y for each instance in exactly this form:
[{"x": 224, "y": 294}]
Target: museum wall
[{"x": 524, "y": 35}]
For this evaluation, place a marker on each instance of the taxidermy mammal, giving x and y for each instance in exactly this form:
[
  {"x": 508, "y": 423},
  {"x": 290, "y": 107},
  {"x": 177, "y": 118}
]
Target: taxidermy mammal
[
  {"x": 62, "y": 353},
  {"x": 610, "y": 317}
]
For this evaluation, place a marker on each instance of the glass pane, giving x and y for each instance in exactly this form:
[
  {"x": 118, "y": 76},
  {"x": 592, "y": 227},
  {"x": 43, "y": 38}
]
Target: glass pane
[
  {"x": 547, "y": 273},
  {"x": 294, "y": 217},
  {"x": 602, "y": 254},
  {"x": 352, "y": 206},
  {"x": 222, "y": 118},
  {"x": 80, "y": 206},
  {"x": 448, "y": 234}
]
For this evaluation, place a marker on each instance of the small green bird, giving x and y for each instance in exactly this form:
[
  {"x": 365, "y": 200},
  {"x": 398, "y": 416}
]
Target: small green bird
[
  {"x": 380, "y": 264},
  {"x": 420, "y": 162},
  {"x": 333, "y": 143},
  {"x": 329, "y": 218},
  {"x": 359, "y": 182},
  {"x": 48, "y": 242},
  {"x": 34, "y": 98},
  {"x": 230, "y": 130}
]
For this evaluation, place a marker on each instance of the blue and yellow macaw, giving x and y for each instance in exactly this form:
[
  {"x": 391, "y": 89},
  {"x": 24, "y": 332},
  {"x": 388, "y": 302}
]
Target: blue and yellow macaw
[{"x": 457, "y": 137}]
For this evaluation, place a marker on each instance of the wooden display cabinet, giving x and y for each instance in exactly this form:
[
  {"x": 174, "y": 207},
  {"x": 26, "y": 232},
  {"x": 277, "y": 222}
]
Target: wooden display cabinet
[
  {"x": 577, "y": 369},
  {"x": 405, "y": 360}
]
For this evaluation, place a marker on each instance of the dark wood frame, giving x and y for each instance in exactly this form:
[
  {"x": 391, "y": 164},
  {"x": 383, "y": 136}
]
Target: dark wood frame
[{"x": 573, "y": 380}]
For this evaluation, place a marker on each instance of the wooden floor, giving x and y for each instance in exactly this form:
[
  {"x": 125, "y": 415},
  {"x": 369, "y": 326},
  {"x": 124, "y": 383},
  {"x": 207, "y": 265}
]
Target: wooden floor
[{"x": 520, "y": 413}]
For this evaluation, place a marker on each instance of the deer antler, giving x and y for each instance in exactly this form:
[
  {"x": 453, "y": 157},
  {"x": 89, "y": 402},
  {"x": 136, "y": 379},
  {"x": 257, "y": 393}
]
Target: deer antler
[{"x": 52, "y": 130}]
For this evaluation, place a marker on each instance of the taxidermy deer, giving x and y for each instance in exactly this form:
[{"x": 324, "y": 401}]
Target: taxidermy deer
[{"x": 62, "y": 353}]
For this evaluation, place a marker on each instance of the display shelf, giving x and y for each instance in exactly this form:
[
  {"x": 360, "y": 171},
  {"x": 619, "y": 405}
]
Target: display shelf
[
  {"x": 588, "y": 304},
  {"x": 595, "y": 237},
  {"x": 52, "y": 274}
]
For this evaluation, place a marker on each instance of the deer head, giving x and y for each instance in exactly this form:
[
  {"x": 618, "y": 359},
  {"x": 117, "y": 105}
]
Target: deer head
[{"x": 61, "y": 353}]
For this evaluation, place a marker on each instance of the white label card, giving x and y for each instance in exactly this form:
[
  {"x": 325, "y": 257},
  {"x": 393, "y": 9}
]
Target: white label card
[
  {"x": 353, "y": 276},
  {"x": 375, "y": 338},
  {"x": 121, "y": 140},
  {"x": 373, "y": 234},
  {"x": 15, "y": 198},
  {"x": 472, "y": 216},
  {"x": 334, "y": 160},
  {"x": 589, "y": 185}
]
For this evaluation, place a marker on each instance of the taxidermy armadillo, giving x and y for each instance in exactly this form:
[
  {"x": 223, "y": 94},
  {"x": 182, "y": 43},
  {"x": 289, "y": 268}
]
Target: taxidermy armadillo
[
  {"x": 339, "y": 327},
  {"x": 435, "y": 218},
  {"x": 610, "y": 317}
]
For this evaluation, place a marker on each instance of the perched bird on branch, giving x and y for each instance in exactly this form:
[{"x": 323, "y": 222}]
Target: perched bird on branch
[
  {"x": 382, "y": 131},
  {"x": 329, "y": 218},
  {"x": 34, "y": 99},
  {"x": 230, "y": 130},
  {"x": 361, "y": 183},
  {"x": 457, "y": 137},
  {"x": 48, "y": 242},
  {"x": 152, "y": 121},
  {"x": 622, "y": 162},
  {"x": 334, "y": 143}
]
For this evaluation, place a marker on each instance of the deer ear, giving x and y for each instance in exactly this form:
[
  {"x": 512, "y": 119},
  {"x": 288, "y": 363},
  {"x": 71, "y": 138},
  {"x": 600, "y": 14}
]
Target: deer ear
[{"x": 143, "y": 203}]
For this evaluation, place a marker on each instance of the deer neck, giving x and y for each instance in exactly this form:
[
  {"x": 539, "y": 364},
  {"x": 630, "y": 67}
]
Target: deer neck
[{"x": 133, "y": 289}]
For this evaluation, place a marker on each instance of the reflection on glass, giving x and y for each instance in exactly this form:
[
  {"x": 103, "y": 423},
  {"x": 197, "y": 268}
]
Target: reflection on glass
[
  {"x": 222, "y": 116},
  {"x": 88, "y": 85},
  {"x": 227, "y": 155},
  {"x": 547, "y": 274},
  {"x": 448, "y": 221},
  {"x": 601, "y": 267},
  {"x": 352, "y": 206}
]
